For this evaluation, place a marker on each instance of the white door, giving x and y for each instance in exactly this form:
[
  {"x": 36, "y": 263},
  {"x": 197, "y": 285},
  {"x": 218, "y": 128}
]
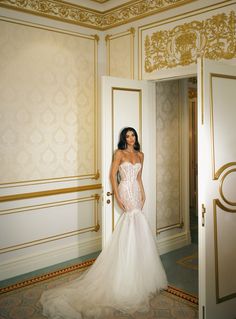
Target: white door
[
  {"x": 127, "y": 103},
  {"x": 217, "y": 190}
]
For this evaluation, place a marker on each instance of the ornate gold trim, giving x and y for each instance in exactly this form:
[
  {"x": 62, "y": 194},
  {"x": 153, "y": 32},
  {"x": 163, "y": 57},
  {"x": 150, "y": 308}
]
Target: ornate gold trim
[
  {"x": 216, "y": 203},
  {"x": 221, "y": 186},
  {"x": 183, "y": 44},
  {"x": 39, "y": 241},
  {"x": 216, "y": 174},
  {"x": 47, "y": 276},
  {"x": 109, "y": 38},
  {"x": 182, "y": 294},
  {"x": 100, "y": 20},
  {"x": 140, "y": 130},
  {"x": 100, "y": 1},
  {"x": 96, "y": 173},
  {"x": 58, "y": 191},
  {"x": 175, "y": 18}
]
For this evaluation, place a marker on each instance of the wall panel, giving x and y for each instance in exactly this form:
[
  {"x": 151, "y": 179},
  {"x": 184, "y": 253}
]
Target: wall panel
[
  {"x": 48, "y": 104},
  {"x": 168, "y": 119},
  {"x": 120, "y": 54}
]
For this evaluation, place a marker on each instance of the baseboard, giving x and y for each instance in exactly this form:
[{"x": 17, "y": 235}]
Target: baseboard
[
  {"x": 173, "y": 242},
  {"x": 33, "y": 262}
]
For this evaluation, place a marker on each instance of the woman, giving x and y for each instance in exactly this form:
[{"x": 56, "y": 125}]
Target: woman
[{"x": 128, "y": 271}]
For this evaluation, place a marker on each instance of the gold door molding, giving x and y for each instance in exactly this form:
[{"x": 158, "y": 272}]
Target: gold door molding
[
  {"x": 100, "y": 20},
  {"x": 50, "y": 113},
  {"x": 223, "y": 170},
  {"x": 120, "y": 54},
  {"x": 139, "y": 92},
  {"x": 95, "y": 227},
  {"x": 216, "y": 206},
  {"x": 213, "y": 38},
  {"x": 217, "y": 171}
]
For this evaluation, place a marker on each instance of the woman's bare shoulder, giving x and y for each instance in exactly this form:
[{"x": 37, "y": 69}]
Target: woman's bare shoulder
[
  {"x": 141, "y": 154},
  {"x": 118, "y": 153}
]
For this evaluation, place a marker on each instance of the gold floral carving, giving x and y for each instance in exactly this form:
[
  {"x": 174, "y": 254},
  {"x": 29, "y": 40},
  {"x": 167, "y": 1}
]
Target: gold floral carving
[
  {"x": 213, "y": 38},
  {"x": 100, "y": 20}
]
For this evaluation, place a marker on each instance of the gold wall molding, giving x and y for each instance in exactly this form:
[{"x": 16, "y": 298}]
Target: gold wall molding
[
  {"x": 119, "y": 56},
  {"x": 213, "y": 38},
  {"x": 59, "y": 191},
  {"x": 87, "y": 172},
  {"x": 39, "y": 241},
  {"x": 100, "y": 20}
]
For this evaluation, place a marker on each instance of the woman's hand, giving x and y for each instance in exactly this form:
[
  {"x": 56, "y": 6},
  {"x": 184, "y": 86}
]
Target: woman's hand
[
  {"x": 121, "y": 205},
  {"x": 143, "y": 202}
]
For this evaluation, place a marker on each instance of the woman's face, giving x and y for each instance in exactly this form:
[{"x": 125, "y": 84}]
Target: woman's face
[{"x": 130, "y": 138}]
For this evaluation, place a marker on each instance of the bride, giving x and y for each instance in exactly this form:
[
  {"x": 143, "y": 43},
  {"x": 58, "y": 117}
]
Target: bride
[{"x": 128, "y": 271}]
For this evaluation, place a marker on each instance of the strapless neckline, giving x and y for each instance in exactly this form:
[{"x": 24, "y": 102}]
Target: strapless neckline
[{"x": 127, "y": 162}]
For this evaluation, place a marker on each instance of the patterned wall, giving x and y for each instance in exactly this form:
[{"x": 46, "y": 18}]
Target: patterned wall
[
  {"x": 168, "y": 154},
  {"x": 47, "y": 109},
  {"x": 120, "y": 60}
]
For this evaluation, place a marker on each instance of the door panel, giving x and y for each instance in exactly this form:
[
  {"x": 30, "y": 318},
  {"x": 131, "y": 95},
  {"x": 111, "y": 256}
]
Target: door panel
[
  {"x": 217, "y": 190},
  {"x": 127, "y": 103}
]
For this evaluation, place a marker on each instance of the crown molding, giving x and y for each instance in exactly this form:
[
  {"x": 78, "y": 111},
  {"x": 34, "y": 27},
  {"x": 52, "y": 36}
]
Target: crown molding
[{"x": 99, "y": 20}]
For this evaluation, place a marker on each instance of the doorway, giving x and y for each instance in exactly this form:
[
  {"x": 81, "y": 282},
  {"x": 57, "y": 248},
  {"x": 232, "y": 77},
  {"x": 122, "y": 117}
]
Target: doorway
[{"x": 176, "y": 174}]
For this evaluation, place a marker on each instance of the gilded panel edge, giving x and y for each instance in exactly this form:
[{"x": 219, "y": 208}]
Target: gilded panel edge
[
  {"x": 175, "y": 18},
  {"x": 100, "y": 20},
  {"x": 35, "y": 242},
  {"x": 219, "y": 299},
  {"x": 131, "y": 33},
  {"x": 59, "y": 191},
  {"x": 96, "y": 174},
  {"x": 216, "y": 173}
]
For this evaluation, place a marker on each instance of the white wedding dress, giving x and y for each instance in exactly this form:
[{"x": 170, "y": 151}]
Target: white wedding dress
[{"x": 125, "y": 275}]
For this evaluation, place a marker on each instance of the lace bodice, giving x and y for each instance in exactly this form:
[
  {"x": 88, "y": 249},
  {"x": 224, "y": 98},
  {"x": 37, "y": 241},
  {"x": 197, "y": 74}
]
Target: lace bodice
[
  {"x": 129, "y": 190},
  {"x": 129, "y": 171}
]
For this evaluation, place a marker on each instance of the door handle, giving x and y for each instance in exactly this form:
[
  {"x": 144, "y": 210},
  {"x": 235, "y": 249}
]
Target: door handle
[{"x": 109, "y": 194}]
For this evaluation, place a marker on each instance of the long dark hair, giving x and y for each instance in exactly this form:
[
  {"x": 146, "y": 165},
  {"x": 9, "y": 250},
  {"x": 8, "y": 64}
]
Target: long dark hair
[{"x": 122, "y": 145}]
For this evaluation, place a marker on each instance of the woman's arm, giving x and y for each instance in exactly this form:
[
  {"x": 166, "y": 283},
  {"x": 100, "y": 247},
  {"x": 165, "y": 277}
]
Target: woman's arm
[
  {"x": 139, "y": 178},
  {"x": 113, "y": 176}
]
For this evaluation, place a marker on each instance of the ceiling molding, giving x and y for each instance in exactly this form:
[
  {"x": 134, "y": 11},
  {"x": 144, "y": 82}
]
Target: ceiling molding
[{"x": 100, "y": 20}]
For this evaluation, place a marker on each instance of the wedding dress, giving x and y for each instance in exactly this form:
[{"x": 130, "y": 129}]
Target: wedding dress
[{"x": 125, "y": 275}]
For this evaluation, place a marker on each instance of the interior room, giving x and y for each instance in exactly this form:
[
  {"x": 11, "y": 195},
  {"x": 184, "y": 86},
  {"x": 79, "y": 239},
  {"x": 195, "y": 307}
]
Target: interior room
[{"x": 72, "y": 70}]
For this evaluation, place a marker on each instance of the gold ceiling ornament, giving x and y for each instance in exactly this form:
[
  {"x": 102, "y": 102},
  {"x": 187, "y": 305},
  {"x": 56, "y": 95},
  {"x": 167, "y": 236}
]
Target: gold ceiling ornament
[
  {"x": 100, "y": 20},
  {"x": 213, "y": 38}
]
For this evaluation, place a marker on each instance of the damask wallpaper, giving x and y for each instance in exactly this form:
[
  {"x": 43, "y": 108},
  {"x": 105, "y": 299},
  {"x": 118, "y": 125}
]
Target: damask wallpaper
[
  {"x": 47, "y": 110},
  {"x": 168, "y": 154}
]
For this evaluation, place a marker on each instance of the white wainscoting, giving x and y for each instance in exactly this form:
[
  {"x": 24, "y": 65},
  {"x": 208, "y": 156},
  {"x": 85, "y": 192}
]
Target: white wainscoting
[{"x": 40, "y": 232}]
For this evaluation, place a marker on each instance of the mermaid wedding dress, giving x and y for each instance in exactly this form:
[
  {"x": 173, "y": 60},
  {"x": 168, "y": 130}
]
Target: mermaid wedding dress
[{"x": 125, "y": 275}]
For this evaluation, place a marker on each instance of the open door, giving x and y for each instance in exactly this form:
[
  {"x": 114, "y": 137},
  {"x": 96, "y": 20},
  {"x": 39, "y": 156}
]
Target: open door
[
  {"x": 217, "y": 189},
  {"x": 127, "y": 103}
]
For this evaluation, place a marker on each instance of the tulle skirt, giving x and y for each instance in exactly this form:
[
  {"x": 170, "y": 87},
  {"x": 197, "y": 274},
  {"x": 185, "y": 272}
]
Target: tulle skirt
[{"x": 124, "y": 277}]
